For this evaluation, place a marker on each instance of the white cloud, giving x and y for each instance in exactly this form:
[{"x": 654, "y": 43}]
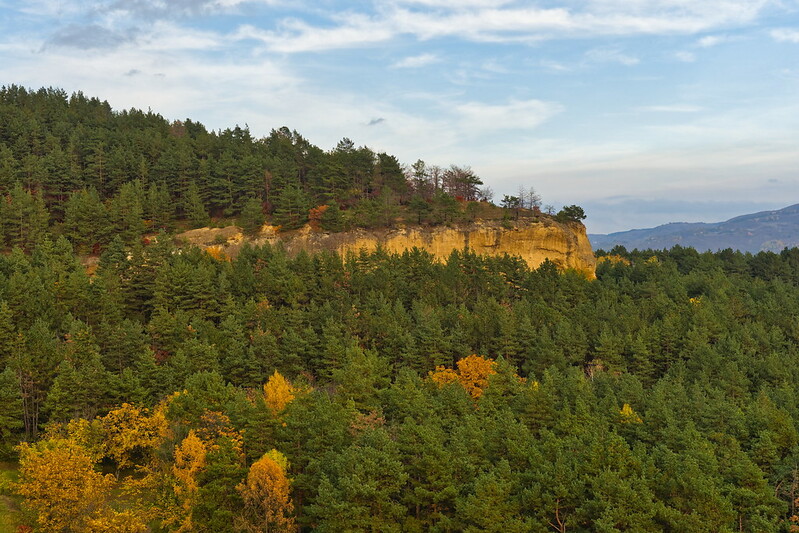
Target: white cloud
[
  {"x": 788, "y": 35},
  {"x": 523, "y": 114},
  {"x": 167, "y": 36},
  {"x": 355, "y": 30},
  {"x": 49, "y": 8},
  {"x": 457, "y": 4},
  {"x": 486, "y": 21},
  {"x": 555, "y": 65},
  {"x": 711, "y": 40},
  {"x": 162, "y": 9},
  {"x": 673, "y": 108},
  {"x": 685, "y": 57},
  {"x": 421, "y": 60},
  {"x": 610, "y": 55}
]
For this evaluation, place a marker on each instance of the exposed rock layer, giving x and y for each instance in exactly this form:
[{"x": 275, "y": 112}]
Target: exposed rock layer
[{"x": 566, "y": 245}]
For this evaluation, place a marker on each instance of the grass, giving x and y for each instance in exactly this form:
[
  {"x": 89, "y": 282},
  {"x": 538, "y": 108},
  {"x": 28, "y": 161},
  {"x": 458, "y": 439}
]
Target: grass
[{"x": 9, "y": 502}]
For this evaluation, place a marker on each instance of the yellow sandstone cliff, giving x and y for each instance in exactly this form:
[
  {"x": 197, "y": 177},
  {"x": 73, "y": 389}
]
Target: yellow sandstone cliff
[{"x": 565, "y": 244}]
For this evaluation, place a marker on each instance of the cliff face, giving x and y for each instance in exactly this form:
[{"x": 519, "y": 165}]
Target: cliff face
[{"x": 566, "y": 245}]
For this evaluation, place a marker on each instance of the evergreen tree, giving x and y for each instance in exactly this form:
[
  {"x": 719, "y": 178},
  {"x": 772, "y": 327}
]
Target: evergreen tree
[
  {"x": 291, "y": 208},
  {"x": 194, "y": 208},
  {"x": 252, "y": 216}
]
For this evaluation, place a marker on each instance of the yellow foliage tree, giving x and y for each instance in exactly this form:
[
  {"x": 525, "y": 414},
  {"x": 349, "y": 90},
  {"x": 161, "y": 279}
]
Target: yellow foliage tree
[
  {"x": 278, "y": 392},
  {"x": 215, "y": 426},
  {"x": 79, "y": 432},
  {"x": 472, "y": 374},
  {"x": 628, "y": 416},
  {"x": 217, "y": 252},
  {"x": 112, "y": 521},
  {"x": 266, "y": 495},
  {"x": 128, "y": 429},
  {"x": 443, "y": 376},
  {"x": 60, "y": 486},
  {"x": 190, "y": 457}
]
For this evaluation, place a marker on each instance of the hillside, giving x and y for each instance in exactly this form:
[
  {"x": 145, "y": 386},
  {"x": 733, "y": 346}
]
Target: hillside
[
  {"x": 71, "y": 165},
  {"x": 763, "y": 231},
  {"x": 354, "y": 345},
  {"x": 397, "y": 390}
]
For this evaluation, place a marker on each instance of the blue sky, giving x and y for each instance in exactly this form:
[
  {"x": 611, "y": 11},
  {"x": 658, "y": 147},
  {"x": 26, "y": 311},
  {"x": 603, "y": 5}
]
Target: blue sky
[{"x": 641, "y": 111}]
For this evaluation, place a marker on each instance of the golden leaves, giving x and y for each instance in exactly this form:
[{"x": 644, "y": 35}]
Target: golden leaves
[
  {"x": 278, "y": 392},
  {"x": 111, "y": 521},
  {"x": 266, "y": 494},
  {"x": 443, "y": 376},
  {"x": 190, "y": 460},
  {"x": 628, "y": 416},
  {"x": 473, "y": 373},
  {"x": 128, "y": 428},
  {"x": 217, "y": 253},
  {"x": 60, "y": 485}
]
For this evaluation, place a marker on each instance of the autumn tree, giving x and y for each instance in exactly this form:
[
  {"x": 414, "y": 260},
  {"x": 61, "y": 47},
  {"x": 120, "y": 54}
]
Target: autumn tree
[
  {"x": 60, "y": 485},
  {"x": 472, "y": 374},
  {"x": 278, "y": 392},
  {"x": 130, "y": 430},
  {"x": 267, "y": 500},
  {"x": 190, "y": 460}
]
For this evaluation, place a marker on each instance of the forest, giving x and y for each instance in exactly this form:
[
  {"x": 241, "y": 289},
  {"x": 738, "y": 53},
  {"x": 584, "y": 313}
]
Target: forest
[
  {"x": 172, "y": 389},
  {"x": 381, "y": 392}
]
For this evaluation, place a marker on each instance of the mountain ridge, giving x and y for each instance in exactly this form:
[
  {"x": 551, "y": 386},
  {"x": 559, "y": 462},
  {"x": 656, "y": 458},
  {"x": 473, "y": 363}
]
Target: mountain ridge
[{"x": 770, "y": 230}]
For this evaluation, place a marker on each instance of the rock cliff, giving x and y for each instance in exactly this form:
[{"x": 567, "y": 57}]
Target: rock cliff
[{"x": 565, "y": 244}]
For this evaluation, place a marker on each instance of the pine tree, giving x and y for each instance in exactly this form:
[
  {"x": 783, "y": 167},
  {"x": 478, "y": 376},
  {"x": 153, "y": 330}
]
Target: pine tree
[
  {"x": 194, "y": 208},
  {"x": 252, "y": 216},
  {"x": 291, "y": 208},
  {"x": 11, "y": 423},
  {"x": 127, "y": 211}
]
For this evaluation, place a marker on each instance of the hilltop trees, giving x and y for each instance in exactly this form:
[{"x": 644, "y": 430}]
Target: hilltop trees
[
  {"x": 571, "y": 213},
  {"x": 73, "y": 165}
]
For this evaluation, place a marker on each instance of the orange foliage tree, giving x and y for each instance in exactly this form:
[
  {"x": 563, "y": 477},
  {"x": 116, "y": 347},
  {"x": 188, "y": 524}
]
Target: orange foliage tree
[
  {"x": 315, "y": 216},
  {"x": 217, "y": 253},
  {"x": 266, "y": 495},
  {"x": 472, "y": 374}
]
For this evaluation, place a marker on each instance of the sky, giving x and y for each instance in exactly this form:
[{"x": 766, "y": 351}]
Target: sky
[{"x": 643, "y": 112}]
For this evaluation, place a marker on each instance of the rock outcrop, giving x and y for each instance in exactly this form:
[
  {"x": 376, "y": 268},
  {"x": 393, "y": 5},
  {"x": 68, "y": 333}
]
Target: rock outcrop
[{"x": 565, "y": 244}]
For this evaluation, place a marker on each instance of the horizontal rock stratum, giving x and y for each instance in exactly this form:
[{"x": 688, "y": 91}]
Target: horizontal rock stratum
[{"x": 565, "y": 244}]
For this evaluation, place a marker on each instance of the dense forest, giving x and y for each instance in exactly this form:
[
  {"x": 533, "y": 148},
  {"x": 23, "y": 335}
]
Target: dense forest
[
  {"x": 385, "y": 392},
  {"x": 173, "y": 389}
]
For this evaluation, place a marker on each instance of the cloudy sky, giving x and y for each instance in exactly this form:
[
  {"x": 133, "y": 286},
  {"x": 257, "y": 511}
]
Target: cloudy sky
[{"x": 641, "y": 111}]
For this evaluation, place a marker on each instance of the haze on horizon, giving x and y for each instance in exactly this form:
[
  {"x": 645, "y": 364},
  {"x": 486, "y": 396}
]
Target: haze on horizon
[{"x": 642, "y": 112}]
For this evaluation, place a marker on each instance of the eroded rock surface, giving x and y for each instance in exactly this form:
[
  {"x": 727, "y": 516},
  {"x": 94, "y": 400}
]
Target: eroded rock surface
[{"x": 565, "y": 244}]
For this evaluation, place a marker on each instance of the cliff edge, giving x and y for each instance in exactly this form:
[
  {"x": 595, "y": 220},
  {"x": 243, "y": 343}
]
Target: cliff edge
[{"x": 565, "y": 244}]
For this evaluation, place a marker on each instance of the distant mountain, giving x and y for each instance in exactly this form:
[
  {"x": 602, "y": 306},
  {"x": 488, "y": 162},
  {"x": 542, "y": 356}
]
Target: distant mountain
[{"x": 764, "y": 231}]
